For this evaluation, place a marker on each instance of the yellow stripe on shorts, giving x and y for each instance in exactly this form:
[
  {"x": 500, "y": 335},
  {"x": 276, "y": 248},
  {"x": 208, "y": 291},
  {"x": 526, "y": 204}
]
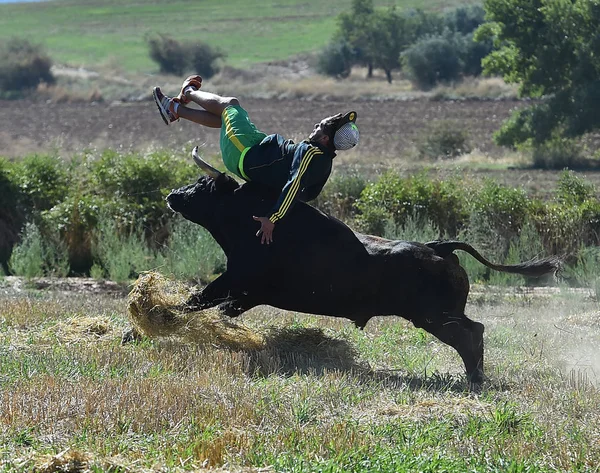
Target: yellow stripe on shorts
[{"x": 230, "y": 134}]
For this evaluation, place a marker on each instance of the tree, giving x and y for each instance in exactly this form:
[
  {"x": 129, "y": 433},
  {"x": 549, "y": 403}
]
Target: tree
[
  {"x": 432, "y": 60},
  {"x": 354, "y": 28},
  {"x": 336, "y": 59},
  {"x": 552, "y": 49},
  {"x": 388, "y": 37}
]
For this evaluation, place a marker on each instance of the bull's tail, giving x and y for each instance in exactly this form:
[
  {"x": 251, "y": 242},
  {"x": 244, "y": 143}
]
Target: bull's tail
[{"x": 533, "y": 268}]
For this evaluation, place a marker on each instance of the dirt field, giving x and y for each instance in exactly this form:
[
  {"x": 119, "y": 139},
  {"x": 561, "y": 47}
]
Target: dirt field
[{"x": 389, "y": 130}]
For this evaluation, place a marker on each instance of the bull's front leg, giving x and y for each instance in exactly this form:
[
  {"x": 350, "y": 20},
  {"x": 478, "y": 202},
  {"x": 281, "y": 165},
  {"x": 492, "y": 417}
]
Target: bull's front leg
[{"x": 215, "y": 293}]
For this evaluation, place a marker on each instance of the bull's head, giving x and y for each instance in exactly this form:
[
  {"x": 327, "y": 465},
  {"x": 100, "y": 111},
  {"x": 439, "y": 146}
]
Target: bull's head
[{"x": 197, "y": 202}]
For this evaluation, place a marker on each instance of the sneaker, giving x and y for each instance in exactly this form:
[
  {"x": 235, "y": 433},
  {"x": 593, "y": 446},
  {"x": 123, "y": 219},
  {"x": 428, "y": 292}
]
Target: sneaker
[
  {"x": 193, "y": 82},
  {"x": 165, "y": 106}
]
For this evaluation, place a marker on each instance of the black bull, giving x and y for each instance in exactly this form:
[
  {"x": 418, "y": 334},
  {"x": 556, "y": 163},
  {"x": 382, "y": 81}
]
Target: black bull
[{"x": 318, "y": 265}]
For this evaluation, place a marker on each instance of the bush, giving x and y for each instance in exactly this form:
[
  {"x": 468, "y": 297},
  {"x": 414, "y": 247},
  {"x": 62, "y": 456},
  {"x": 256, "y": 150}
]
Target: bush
[
  {"x": 27, "y": 257},
  {"x": 565, "y": 228},
  {"x": 168, "y": 53},
  {"x": 134, "y": 188},
  {"x": 192, "y": 253},
  {"x": 340, "y": 194},
  {"x": 12, "y": 212},
  {"x": 120, "y": 254},
  {"x": 38, "y": 256},
  {"x": 175, "y": 57},
  {"x": 472, "y": 53},
  {"x": 557, "y": 153},
  {"x": 443, "y": 203},
  {"x": 414, "y": 228},
  {"x": 43, "y": 181},
  {"x": 336, "y": 60},
  {"x": 23, "y": 66},
  {"x": 498, "y": 215},
  {"x": 444, "y": 139},
  {"x": 572, "y": 190},
  {"x": 432, "y": 60},
  {"x": 74, "y": 220},
  {"x": 586, "y": 270},
  {"x": 204, "y": 59}
]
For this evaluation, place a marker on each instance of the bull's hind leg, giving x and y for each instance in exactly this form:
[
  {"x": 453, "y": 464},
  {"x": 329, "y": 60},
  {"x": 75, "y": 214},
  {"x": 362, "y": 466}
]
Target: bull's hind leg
[{"x": 465, "y": 336}]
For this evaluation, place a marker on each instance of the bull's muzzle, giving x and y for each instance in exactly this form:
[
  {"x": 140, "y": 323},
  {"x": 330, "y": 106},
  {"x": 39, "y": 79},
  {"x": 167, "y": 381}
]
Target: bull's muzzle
[{"x": 173, "y": 199}]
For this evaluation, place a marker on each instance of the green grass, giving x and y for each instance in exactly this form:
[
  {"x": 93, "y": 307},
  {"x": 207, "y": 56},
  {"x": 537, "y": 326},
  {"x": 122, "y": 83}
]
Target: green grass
[
  {"x": 85, "y": 33},
  {"x": 72, "y": 397}
]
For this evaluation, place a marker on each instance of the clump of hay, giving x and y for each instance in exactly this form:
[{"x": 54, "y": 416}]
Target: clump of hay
[
  {"x": 68, "y": 461},
  {"x": 77, "y": 328},
  {"x": 157, "y": 309}
]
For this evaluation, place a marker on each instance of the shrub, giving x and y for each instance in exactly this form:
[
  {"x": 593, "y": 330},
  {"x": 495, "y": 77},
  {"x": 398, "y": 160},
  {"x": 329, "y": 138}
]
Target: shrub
[
  {"x": 204, "y": 58},
  {"x": 432, "y": 60},
  {"x": 565, "y": 228},
  {"x": 440, "y": 202},
  {"x": 134, "y": 188},
  {"x": 175, "y": 57},
  {"x": 168, "y": 53},
  {"x": 526, "y": 247},
  {"x": 498, "y": 215},
  {"x": 12, "y": 213},
  {"x": 336, "y": 59},
  {"x": 558, "y": 153},
  {"x": 192, "y": 253},
  {"x": 414, "y": 228},
  {"x": 465, "y": 19},
  {"x": 43, "y": 181},
  {"x": 74, "y": 220},
  {"x": 340, "y": 194},
  {"x": 37, "y": 256},
  {"x": 472, "y": 53},
  {"x": 586, "y": 270},
  {"x": 27, "y": 257},
  {"x": 444, "y": 139},
  {"x": 572, "y": 190},
  {"x": 23, "y": 66},
  {"x": 120, "y": 254}
]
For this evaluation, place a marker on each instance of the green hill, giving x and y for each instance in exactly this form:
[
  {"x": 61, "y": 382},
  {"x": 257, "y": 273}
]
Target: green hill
[{"x": 86, "y": 33}]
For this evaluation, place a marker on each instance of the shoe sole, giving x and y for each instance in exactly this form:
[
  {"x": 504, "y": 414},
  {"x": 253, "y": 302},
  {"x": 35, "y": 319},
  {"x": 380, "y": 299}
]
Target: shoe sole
[{"x": 163, "y": 113}]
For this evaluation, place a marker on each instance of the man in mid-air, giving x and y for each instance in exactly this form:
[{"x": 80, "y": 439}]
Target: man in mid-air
[{"x": 297, "y": 170}]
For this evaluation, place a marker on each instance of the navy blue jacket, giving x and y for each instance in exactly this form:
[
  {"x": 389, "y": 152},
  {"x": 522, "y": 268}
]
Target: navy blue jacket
[{"x": 299, "y": 170}]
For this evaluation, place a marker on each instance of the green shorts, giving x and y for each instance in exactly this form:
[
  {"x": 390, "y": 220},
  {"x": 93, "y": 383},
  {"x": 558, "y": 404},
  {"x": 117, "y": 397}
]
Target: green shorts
[{"x": 238, "y": 135}]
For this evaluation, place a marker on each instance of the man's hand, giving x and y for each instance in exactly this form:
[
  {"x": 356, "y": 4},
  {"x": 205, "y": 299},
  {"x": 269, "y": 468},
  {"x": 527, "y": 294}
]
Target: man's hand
[{"x": 266, "y": 229}]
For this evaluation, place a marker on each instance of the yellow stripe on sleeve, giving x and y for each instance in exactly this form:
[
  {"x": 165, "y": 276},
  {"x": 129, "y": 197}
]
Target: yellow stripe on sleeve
[{"x": 291, "y": 195}]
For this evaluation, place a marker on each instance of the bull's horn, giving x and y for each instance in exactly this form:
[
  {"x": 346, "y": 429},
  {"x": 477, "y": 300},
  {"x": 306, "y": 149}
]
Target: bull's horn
[{"x": 207, "y": 168}]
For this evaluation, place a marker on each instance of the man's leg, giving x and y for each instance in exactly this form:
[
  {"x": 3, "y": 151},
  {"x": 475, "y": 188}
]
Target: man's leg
[
  {"x": 173, "y": 108},
  {"x": 212, "y": 104}
]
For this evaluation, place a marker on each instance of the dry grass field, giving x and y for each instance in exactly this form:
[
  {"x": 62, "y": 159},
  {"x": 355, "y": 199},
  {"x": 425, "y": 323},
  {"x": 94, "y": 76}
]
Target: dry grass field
[{"x": 320, "y": 396}]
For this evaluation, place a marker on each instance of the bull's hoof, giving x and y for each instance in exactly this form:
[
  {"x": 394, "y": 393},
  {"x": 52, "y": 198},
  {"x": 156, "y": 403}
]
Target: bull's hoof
[
  {"x": 131, "y": 335},
  {"x": 475, "y": 379}
]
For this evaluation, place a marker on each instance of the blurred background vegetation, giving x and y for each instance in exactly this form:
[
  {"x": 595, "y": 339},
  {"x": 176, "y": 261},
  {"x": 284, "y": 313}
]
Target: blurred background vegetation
[{"x": 52, "y": 223}]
